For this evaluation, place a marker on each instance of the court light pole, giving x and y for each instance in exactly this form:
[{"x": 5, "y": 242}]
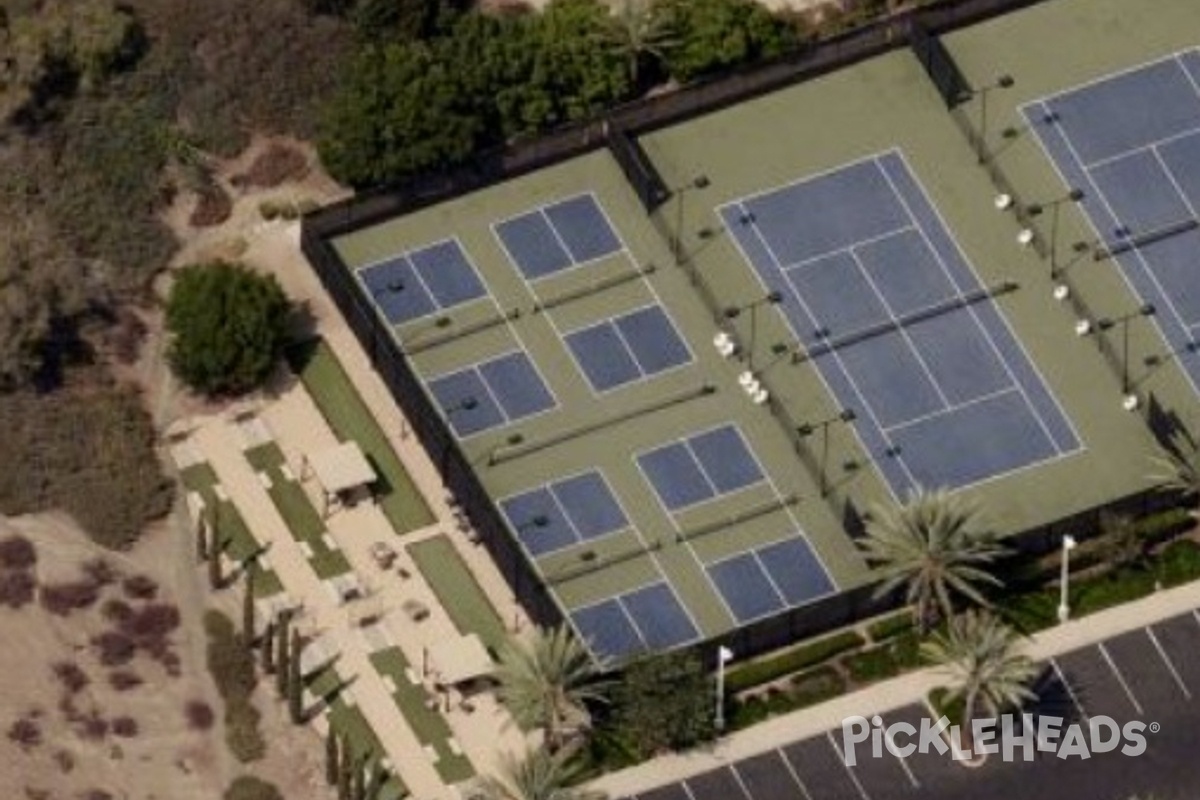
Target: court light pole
[
  {"x": 724, "y": 656},
  {"x": 1053, "y": 206},
  {"x": 1064, "y": 606},
  {"x": 982, "y": 92},
  {"x": 1105, "y": 324},
  {"x": 466, "y": 404},
  {"x": 733, "y": 312},
  {"x": 809, "y": 428},
  {"x": 698, "y": 182}
]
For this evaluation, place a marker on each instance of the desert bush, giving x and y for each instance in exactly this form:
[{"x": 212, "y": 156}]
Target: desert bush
[
  {"x": 96, "y": 794},
  {"x": 125, "y": 727},
  {"x": 63, "y": 598},
  {"x": 275, "y": 165},
  {"x": 100, "y": 571},
  {"x": 140, "y": 587},
  {"x": 213, "y": 207},
  {"x": 114, "y": 648},
  {"x": 26, "y": 733},
  {"x": 247, "y": 787},
  {"x": 71, "y": 676},
  {"x": 123, "y": 680},
  {"x": 91, "y": 726},
  {"x": 151, "y": 622},
  {"x": 199, "y": 715},
  {"x": 17, "y": 588},
  {"x": 64, "y": 760},
  {"x": 116, "y": 611},
  {"x": 17, "y": 552},
  {"x": 232, "y": 666}
]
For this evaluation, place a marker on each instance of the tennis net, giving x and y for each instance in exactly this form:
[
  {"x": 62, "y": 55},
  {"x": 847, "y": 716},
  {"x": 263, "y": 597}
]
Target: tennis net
[
  {"x": 1109, "y": 250},
  {"x": 904, "y": 320}
]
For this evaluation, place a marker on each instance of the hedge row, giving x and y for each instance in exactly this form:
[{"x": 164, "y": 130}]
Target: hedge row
[
  {"x": 793, "y": 660},
  {"x": 232, "y": 666},
  {"x": 805, "y": 689}
]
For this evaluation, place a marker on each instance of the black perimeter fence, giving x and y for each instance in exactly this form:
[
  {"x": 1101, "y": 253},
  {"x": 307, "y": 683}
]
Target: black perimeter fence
[{"x": 618, "y": 132}]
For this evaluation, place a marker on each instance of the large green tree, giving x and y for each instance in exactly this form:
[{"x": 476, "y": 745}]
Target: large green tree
[
  {"x": 714, "y": 35},
  {"x": 228, "y": 327},
  {"x": 397, "y": 112},
  {"x": 545, "y": 681},
  {"x": 935, "y": 546},
  {"x": 642, "y": 35},
  {"x": 662, "y": 702},
  {"x": 978, "y": 653},
  {"x": 540, "y": 775}
]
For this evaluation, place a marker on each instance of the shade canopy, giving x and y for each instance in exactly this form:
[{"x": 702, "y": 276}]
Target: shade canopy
[
  {"x": 342, "y": 468},
  {"x": 460, "y": 660}
]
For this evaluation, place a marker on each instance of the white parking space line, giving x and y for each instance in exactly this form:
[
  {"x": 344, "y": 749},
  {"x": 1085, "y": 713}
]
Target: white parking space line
[
  {"x": 1070, "y": 691},
  {"x": 1120, "y": 678},
  {"x": 795, "y": 775},
  {"x": 842, "y": 760},
  {"x": 1170, "y": 666},
  {"x": 1196, "y": 615},
  {"x": 738, "y": 778}
]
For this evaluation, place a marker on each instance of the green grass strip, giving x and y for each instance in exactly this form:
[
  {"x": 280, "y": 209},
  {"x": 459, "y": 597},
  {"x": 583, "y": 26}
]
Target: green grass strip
[
  {"x": 351, "y": 420},
  {"x": 457, "y": 590},
  {"x": 240, "y": 542},
  {"x": 297, "y": 511},
  {"x": 429, "y": 726}
]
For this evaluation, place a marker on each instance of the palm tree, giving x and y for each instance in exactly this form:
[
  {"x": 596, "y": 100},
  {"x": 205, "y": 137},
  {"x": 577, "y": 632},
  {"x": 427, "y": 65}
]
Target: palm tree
[
  {"x": 641, "y": 32},
  {"x": 1178, "y": 472},
  {"x": 540, "y": 775},
  {"x": 935, "y": 546},
  {"x": 545, "y": 681},
  {"x": 978, "y": 654}
]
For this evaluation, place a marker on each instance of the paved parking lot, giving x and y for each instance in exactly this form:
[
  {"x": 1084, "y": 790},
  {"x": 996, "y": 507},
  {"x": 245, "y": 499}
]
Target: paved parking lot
[{"x": 1150, "y": 674}]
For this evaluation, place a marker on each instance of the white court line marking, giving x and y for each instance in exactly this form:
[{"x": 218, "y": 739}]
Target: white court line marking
[
  {"x": 791, "y": 769},
  {"x": 1170, "y": 666},
  {"x": 1141, "y": 148},
  {"x": 973, "y": 401},
  {"x": 1120, "y": 678},
  {"x": 838, "y": 251},
  {"x": 1070, "y": 691},
  {"x": 849, "y": 771}
]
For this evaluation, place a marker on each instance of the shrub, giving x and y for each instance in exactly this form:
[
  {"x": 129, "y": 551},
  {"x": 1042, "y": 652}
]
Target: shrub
[
  {"x": 125, "y": 727},
  {"x": 26, "y": 733},
  {"x": 91, "y": 726},
  {"x": 228, "y": 326},
  {"x": 114, "y": 648},
  {"x": 116, "y": 611},
  {"x": 71, "y": 676},
  {"x": 248, "y": 787},
  {"x": 1111, "y": 589},
  {"x": 199, "y": 715},
  {"x": 17, "y": 588},
  {"x": 61, "y": 599},
  {"x": 100, "y": 572},
  {"x": 891, "y": 625},
  {"x": 151, "y": 623},
  {"x": 885, "y": 661},
  {"x": 64, "y": 760},
  {"x": 123, "y": 680},
  {"x": 140, "y": 587},
  {"x": 232, "y": 666},
  {"x": 772, "y": 668},
  {"x": 275, "y": 165},
  {"x": 1179, "y": 562},
  {"x": 213, "y": 207},
  {"x": 17, "y": 552},
  {"x": 241, "y": 731}
]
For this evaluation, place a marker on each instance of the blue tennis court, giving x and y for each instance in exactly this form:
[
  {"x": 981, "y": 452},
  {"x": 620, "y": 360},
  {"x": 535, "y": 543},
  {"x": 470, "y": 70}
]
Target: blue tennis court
[
  {"x": 644, "y": 620},
  {"x": 700, "y": 468},
  {"x": 564, "y": 513},
  {"x": 627, "y": 348},
  {"x": 422, "y": 282},
  {"x": 1131, "y": 142},
  {"x": 899, "y": 326},
  {"x": 491, "y": 393},
  {"x": 766, "y": 580},
  {"x": 559, "y": 236}
]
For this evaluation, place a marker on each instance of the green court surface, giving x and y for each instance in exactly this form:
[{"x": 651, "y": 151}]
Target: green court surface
[
  {"x": 351, "y": 420},
  {"x": 241, "y": 544},
  {"x": 428, "y": 724},
  {"x": 457, "y": 591},
  {"x": 886, "y": 104},
  {"x": 297, "y": 511}
]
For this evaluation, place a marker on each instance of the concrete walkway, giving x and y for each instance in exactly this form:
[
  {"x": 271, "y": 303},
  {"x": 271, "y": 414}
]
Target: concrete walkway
[{"x": 889, "y": 695}]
